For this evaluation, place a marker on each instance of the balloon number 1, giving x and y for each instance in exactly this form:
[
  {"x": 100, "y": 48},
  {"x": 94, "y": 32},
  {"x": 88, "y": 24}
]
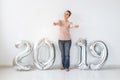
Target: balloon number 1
[
  {"x": 98, "y": 50},
  {"x": 82, "y": 44}
]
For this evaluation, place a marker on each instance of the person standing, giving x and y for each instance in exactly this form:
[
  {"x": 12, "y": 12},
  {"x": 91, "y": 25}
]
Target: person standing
[{"x": 64, "y": 40}]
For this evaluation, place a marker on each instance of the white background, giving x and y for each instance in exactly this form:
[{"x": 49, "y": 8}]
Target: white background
[{"x": 32, "y": 20}]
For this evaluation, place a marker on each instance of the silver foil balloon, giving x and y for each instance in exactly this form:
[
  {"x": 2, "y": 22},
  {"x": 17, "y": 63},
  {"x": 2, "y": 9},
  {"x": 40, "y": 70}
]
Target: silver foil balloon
[
  {"x": 101, "y": 53},
  {"x": 82, "y": 44},
  {"x": 42, "y": 65},
  {"x": 18, "y": 63}
]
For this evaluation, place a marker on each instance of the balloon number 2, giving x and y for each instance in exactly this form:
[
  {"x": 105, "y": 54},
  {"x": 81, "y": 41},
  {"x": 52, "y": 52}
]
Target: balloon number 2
[
  {"x": 17, "y": 62},
  {"x": 98, "y": 50}
]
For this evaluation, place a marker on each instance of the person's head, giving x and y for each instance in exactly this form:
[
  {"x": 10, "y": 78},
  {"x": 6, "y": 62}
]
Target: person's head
[{"x": 67, "y": 14}]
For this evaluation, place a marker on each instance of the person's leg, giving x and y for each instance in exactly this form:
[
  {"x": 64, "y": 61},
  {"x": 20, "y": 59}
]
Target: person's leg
[
  {"x": 67, "y": 46},
  {"x": 61, "y": 46}
]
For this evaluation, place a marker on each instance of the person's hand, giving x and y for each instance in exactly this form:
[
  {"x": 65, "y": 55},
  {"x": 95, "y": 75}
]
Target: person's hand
[
  {"x": 57, "y": 23},
  {"x": 54, "y": 23},
  {"x": 60, "y": 23},
  {"x": 76, "y": 26}
]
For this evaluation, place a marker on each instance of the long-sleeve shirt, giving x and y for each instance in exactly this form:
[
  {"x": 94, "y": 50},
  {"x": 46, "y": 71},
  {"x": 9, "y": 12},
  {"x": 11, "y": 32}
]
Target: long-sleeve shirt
[{"x": 64, "y": 30}]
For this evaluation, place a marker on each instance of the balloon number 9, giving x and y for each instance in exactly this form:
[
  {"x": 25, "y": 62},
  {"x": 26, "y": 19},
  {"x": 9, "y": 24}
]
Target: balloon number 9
[{"x": 102, "y": 54}]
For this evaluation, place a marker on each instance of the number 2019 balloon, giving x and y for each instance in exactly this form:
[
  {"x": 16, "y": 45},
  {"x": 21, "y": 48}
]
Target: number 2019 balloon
[{"x": 101, "y": 53}]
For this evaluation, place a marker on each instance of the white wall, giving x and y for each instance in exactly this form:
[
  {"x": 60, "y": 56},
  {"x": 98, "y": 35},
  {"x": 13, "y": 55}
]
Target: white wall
[{"x": 32, "y": 20}]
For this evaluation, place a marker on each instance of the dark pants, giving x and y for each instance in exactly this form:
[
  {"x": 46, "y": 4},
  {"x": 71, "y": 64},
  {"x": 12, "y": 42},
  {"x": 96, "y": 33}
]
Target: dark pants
[{"x": 65, "y": 46}]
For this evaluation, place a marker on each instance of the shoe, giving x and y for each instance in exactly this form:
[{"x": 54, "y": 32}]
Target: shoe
[
  {"x": 62, "y": 68},
  {"x": 67, "y": 70}
]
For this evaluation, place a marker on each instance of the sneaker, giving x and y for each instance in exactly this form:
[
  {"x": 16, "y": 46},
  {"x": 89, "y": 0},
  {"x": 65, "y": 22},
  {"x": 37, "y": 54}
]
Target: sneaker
[
  {"x": 67, "y": 70},
  {"x": 62, "y": 68}
]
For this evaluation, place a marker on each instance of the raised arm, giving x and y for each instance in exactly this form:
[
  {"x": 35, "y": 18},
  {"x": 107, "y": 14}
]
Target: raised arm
[
  {"x": 57, "y": 23},
  {"x": 73, "y": 26}
]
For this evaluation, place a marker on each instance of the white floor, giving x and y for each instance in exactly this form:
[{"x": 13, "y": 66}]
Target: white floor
[{"x": 108, "y": 73}]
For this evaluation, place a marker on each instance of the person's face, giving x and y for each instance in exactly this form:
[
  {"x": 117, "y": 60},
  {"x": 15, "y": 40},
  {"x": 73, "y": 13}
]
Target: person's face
[{"x": 66, "y": 15}]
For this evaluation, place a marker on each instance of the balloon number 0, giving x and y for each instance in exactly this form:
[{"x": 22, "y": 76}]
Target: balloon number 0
[
  {"x": 101, "y": 53},
  {"x": 50, "y": 61}
]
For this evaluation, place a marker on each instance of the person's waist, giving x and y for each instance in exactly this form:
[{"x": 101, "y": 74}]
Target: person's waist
[{"x": 64, "y": 39}]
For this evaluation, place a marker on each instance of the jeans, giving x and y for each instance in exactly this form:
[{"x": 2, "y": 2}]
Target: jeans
[{"x": 65, "y": 46}]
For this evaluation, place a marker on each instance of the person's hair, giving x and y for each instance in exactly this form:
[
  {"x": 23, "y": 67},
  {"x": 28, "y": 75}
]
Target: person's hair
[{"x": 69, "y": 12}]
